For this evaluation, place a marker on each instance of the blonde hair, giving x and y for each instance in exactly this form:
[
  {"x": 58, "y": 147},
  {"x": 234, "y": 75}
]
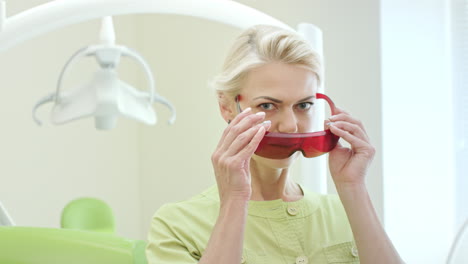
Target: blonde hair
[{"x": 257, "y": 46}]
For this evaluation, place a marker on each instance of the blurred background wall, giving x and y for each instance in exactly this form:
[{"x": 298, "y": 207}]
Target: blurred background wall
[{"x": 137, "y": 168}]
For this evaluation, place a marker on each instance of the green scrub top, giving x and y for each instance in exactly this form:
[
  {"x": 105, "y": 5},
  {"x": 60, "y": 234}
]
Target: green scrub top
[{"x": 314, "y": 229}]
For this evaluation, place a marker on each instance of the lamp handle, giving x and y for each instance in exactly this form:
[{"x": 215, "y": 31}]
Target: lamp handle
[
  {"x": 55, "y": 96},
  {"x": 149, "y": 76},
  {"x": 153, "y": 95},
  {"x": 79, "y": 53}
]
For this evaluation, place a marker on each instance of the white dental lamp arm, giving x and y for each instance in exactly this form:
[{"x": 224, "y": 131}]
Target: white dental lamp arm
[{"x": 57, "y": 14}]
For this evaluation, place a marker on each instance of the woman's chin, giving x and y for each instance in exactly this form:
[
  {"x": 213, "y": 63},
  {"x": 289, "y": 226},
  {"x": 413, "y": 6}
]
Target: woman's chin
[{"x": 277, "y": 163}]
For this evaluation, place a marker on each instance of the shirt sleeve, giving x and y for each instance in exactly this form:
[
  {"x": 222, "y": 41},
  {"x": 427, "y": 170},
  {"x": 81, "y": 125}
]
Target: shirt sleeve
[{"x": 164, "y": 246}]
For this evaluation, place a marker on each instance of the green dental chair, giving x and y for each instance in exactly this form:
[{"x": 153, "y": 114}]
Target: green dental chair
[
  {"x": 89, "y": 214},
  {"x": 87, "y": 236},
  {"x": 35, "y": 245}
]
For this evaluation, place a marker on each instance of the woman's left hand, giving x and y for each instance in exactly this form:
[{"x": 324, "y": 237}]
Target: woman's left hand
[{"x": 349, "y": 165}]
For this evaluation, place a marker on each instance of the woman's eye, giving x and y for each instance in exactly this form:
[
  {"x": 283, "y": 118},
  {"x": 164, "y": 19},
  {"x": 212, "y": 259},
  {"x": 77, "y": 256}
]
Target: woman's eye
[
  {"x": 266, "y": 106},
  {"x": 305, "y": 105}
]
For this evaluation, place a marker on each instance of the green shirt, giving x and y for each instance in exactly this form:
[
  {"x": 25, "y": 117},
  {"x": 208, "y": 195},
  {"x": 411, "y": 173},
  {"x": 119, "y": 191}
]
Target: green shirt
[{"x": 314, "y": 229}]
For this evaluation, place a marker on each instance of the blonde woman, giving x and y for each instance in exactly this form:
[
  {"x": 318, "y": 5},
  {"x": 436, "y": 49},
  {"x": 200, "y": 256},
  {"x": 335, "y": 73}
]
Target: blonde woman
[{"x": 256, "y": 214}]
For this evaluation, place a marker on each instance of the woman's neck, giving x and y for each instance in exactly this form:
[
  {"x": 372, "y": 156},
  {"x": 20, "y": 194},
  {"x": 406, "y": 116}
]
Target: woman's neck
[{"x": 272, "y": 184}]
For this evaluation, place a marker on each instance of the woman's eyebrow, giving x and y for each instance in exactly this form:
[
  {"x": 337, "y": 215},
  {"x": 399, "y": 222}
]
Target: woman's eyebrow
[
  {"x": 279, "y": 101},
  {"x": 307, "y": 98},
  {"x": 268, "y": 98}
]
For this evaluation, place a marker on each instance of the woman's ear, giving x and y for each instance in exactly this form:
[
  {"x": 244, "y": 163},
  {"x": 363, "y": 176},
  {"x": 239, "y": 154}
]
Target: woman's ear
[{"x": 226, "y": 107}]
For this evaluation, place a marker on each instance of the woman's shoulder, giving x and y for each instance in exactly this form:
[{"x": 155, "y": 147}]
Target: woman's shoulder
[
  {"x": 180, "y": 228},
  {"x": 206, "y": 203}
]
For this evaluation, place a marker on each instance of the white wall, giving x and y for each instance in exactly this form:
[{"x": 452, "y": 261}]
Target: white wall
[
  {"x": 44, "y": 168},
  {"x": 417, "y": 128}
]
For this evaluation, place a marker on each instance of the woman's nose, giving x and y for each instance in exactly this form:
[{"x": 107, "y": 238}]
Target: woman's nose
[{"x": 287, "y": 122}]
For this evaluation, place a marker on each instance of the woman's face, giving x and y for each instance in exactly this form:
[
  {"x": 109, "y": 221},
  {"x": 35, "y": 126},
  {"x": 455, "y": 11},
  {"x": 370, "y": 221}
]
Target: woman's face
[{"x": 286, "y": 93}]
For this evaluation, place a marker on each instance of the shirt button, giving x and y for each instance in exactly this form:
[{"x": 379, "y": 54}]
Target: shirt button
[
  {"x": 354, "y": 251},
  {"x": 242, "y": 260},
  {"x": 302, "y": 260},
  {"x": 292, "y": 211}
]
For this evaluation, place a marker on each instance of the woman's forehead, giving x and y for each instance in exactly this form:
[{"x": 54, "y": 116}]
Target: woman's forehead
[{"x": 277, "y": 79}]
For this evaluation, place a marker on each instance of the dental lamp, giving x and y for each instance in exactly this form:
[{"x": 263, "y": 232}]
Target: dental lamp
[{"x": 105, "y": 96}]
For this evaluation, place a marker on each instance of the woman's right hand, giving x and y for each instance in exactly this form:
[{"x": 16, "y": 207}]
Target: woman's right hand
[{"x": 231, "y": 159}]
